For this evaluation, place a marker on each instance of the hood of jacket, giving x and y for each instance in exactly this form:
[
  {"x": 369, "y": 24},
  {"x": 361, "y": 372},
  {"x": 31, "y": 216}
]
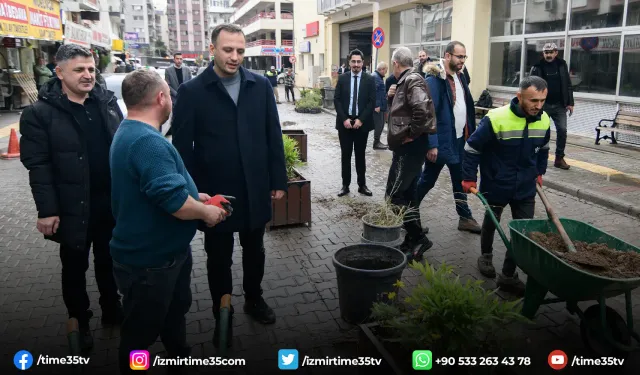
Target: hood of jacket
[{"x": 436, "y": 69}]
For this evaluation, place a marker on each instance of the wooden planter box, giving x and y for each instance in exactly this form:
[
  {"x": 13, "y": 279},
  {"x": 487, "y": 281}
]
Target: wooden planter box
[
  {"x": 370, "y": 345},
  {"x": 295, "y": 206},
  {"x": 299, "y": 136}
]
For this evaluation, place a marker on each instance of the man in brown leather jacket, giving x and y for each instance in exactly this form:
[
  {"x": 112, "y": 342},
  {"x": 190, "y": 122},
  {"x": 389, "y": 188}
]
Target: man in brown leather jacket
[{"x": 411, "y": 121}]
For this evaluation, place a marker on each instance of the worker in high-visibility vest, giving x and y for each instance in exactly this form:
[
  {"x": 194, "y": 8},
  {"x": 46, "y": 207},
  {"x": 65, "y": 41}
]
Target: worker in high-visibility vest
[{"x": 511, "y": 145}]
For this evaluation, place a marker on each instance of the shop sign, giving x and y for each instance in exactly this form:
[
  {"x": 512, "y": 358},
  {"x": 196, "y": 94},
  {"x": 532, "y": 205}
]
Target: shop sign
[
  {"x": 271, "y": 51},
  {"x": 38, "y": 19},
  {"x": 304, "y": 47},
  {"x": 130, "y": 36},
  {"x": 100, "y": 38},
  {"x": 76, "y": 34},
  {"x": 312, "y": 29}
]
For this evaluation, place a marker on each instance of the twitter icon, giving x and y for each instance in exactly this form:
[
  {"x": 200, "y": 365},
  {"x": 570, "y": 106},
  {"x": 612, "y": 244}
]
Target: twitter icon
[{"x": 288, "y": 359}]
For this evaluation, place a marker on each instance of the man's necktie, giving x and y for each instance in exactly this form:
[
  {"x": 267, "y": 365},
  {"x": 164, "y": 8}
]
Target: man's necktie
[{"x": 355, "y": 96}]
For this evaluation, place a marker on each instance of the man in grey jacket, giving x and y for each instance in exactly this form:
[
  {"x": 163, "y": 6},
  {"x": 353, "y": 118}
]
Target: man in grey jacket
[{"x": 176, "y": 75}]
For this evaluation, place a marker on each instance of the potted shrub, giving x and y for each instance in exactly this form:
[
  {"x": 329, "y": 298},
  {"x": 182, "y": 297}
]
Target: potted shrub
[
  {"x": 300, "y": 136},
  {"x": 310, "y": 101},
  {"x": 295, "y": 206},
  {"x": 442, "y": 313},
  {"x": 383, "y": 222}
]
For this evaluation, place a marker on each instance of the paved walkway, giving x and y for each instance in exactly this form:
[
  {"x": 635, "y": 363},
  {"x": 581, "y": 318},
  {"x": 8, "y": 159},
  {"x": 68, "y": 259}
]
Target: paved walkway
[{"x": 299, "y": 277}]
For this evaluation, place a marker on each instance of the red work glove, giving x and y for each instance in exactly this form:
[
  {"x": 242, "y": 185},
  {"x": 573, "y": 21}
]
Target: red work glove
[
  {"x": 221, "y": 201},
  {"x": 467, "y": 185},
  {"x": 540, "y": 179}
]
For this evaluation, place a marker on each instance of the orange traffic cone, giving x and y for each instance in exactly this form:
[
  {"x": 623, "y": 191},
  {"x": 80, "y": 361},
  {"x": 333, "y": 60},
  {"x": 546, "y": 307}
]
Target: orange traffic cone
[{"x": 14, "y": 147}]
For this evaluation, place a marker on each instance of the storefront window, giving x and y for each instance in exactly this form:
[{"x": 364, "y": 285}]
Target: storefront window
[
  {"x": 630, "y": 75},
  {"x": 534, "y": 52},
  {"x": 434, "y": 19},
  {"x": 586, "y": 14},
  {"x": 432, "y": 23},
  {"x": 504, "y": 64},
  {"x": 594, "y": 64},
  {"x": 507, "y": 17},
  {"x": 545, "y": 16},
  {"x": 433, "y": 51},
  {"x": 407, "y": 25},
  {"x": 633, "y": 13}
]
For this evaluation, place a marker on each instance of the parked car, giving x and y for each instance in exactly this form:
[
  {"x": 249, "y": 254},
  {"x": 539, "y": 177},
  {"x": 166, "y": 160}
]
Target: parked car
[{"x": 114, "y": 83}]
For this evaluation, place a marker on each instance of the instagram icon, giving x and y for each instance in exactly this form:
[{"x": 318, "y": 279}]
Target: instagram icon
[{"x": 139, "y": 360}]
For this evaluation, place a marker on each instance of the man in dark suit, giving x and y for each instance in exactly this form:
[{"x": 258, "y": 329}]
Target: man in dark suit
[
  {"x": 227, "y": 130},
  {"x": 354, "y": 100}
]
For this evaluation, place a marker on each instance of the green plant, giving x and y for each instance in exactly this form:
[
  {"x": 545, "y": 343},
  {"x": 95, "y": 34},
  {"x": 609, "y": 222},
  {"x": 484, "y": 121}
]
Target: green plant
[
  {"x": 443, "y": 312},
  {"x": 291, "y": 155},
  {"x": 309, "y": 99}
]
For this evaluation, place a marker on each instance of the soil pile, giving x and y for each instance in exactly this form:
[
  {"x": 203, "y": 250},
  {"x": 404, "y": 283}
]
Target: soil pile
[{"x": 610, "y": 262}]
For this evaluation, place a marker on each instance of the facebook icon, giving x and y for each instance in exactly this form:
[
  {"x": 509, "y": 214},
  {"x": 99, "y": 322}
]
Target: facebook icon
[{"x": 23, "y": 360}]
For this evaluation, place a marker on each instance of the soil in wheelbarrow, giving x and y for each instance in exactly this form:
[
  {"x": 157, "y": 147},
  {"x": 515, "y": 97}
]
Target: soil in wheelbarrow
[{"x": 595, "y": 258}]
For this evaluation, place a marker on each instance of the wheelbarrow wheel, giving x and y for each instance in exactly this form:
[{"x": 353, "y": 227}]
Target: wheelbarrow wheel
[{"x": 594, "y": 337}]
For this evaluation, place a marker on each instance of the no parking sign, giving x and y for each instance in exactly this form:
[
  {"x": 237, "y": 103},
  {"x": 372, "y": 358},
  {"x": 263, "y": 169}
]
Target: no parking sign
[{"x": 377, "y": 37}]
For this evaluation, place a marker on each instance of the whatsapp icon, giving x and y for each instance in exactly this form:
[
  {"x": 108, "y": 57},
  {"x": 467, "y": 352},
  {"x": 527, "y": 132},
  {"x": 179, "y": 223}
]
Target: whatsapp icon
[{"x": 421, "y": 360}]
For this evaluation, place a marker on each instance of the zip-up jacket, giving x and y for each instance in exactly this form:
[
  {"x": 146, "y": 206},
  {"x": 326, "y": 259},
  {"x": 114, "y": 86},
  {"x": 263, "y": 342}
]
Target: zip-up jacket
[
  {"x": 512, "y": 149},
  {"x": 54, "y": 149}
]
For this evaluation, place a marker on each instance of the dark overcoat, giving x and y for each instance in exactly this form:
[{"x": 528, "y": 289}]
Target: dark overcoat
[{"x": 229, "y": 149}]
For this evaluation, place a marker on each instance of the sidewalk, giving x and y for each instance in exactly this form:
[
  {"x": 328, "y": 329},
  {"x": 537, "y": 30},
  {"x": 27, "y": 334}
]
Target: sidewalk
[
  {"x": 605, "y": 174},
  {"x": 299, "y": 281}
]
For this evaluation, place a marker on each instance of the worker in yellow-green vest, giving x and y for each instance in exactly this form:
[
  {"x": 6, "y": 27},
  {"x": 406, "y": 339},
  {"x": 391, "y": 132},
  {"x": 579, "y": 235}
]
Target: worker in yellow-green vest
[
  {"x": 511, "y": 145},
  {"x": 272, "y": 76}
]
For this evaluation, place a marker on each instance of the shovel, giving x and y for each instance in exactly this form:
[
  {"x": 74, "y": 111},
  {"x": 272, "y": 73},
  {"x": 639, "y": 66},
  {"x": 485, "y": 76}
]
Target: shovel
[{"x": 563, "y": 233}]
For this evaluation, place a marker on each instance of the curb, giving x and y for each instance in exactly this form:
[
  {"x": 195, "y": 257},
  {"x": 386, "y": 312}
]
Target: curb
[
  {"x": 594, "y": 197},
  {"x": 327, "y": 111}
]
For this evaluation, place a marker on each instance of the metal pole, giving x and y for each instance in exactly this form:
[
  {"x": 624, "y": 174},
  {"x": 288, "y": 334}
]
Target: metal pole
[{"x": 376, "y": 64}]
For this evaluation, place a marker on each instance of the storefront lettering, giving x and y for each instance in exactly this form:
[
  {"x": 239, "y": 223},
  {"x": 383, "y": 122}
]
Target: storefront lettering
[
  {"x": 78, "y": 34},
  {"x": 44, "y": 4},
  {"x": 13, "y": 29},
  {"x": 46, "y": 34},
  {"x": 45, "y": 20},
  {"x": 11, "y": 11}
]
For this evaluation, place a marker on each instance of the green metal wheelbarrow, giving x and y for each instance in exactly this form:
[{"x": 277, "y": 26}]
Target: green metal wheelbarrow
[{"x": 603, "y": 330}]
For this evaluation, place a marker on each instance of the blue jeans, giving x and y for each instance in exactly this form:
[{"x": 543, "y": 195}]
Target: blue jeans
[
  {"x": 155, "y": 301},
  {"x": 430, "y": 175}
]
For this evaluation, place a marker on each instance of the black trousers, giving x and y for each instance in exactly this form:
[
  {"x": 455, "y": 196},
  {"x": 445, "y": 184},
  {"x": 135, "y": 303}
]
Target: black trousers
[
  {"x": 155, "y": 303},
  {"x": 353, "y": 140},
  {"x": 401, "y": 187},
  {"x": 522, "y": 209},
  {"x": 287, "y": 90},
  {"x": 219, "y": 249},
  {"x": 75, "y": 263}
]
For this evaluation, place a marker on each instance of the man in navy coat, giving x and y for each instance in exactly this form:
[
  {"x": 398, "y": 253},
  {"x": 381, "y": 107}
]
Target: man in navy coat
[
  {"x": 455, "y": 113},
  {"x": 227, "y": 130}
]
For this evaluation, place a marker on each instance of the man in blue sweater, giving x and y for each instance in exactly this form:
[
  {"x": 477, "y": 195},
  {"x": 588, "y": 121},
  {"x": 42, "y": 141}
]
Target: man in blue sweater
[{"x": 157, "y": 208}]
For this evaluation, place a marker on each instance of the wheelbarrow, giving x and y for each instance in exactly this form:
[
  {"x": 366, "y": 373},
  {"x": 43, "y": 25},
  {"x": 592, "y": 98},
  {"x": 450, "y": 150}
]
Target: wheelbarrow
[{"x": 603, "y": 330}]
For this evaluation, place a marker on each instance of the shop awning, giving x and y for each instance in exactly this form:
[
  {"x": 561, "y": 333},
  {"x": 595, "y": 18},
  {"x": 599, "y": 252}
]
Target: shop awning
[{"x": 31, "y": 20}]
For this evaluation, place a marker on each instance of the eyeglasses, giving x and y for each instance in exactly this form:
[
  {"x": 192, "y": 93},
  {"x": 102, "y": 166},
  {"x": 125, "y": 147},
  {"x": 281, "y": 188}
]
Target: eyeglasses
[
  {"x": 357, "y": 62},
  {"x": 461, "y": 57}
]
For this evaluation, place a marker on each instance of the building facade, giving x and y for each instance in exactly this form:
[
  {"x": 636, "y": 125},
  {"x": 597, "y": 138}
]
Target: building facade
[
  {"x": 219, "y": 12},
  {"x": 188, "y": 27},
  {"x": 309, "y": 43},
  {"x": 268, "y": 27},
  {"x": 599, "y": 39}
]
